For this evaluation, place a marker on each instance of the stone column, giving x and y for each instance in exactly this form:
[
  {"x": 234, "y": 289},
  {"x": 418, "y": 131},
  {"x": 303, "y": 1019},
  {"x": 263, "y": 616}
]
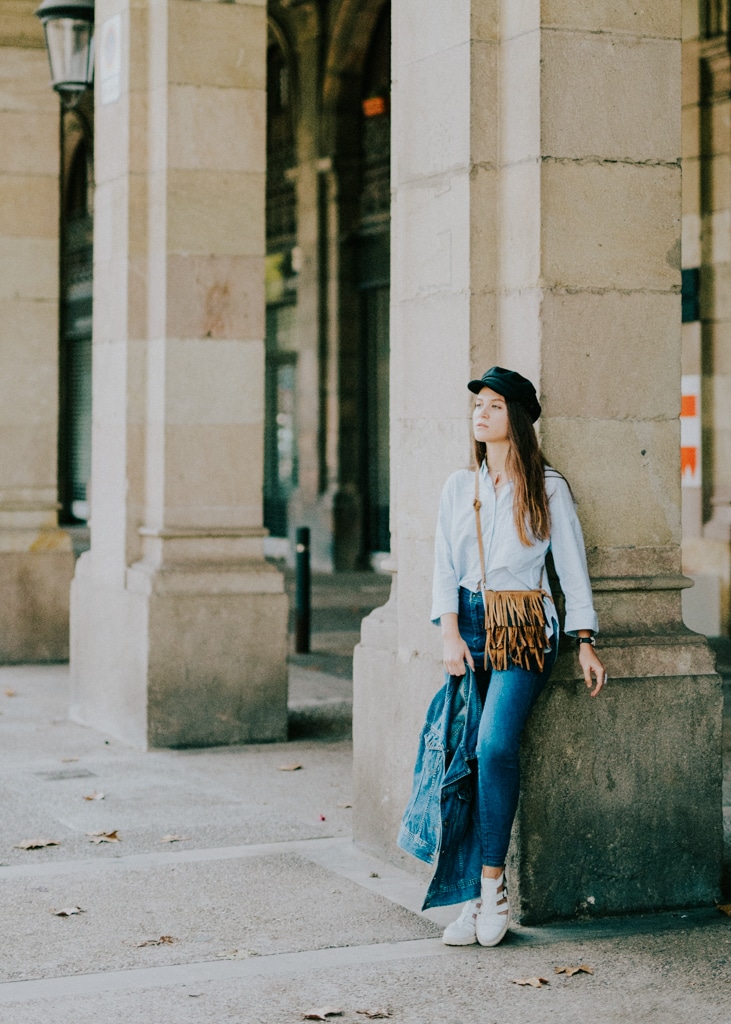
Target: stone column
[
  {"x": 311, "y": 503},
  {"x": 178, "y": 623},
  {"x": 574, "y": 254},
  {"x": 707, "y": 236},
  {"x": 36, "y": 562},
  {"x": 444, "y": 245}
]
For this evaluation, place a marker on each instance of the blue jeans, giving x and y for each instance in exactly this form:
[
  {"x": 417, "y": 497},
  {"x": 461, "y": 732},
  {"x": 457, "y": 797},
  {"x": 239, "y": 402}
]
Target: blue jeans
[{"x": 507, "y": 699}]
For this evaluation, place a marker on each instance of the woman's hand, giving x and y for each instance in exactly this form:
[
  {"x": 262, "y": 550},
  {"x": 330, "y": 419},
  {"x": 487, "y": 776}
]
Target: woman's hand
[
  {"x": 456, "y": 653},
  {"x": 592, "y": 666},
  {"x": 455, "y": 650}
]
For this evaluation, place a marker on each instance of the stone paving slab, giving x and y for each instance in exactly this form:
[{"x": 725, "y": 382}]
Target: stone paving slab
[
  {"x": 262, "y": 874},
  {"x": 675, "y": 974},
  {"x": 258, "y": 905}
]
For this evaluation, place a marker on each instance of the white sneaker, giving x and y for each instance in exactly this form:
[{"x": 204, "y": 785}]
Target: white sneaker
[
  {"x": 462, "y": 931},
  {"x": 494, "y": 914}
]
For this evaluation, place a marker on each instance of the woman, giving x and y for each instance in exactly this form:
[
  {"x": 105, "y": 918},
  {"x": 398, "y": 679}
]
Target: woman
[{"x": 521, "y": 508}]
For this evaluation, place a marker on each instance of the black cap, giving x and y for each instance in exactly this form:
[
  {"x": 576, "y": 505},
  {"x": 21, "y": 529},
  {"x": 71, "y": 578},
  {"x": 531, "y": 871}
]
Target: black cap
[{"x": 511, "y": 385}]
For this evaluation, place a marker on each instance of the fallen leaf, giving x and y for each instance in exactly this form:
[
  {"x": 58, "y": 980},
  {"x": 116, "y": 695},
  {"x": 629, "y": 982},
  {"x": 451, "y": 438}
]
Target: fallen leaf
[
  {"x": 374, "y": 1014},
  {"x": 374, "y": 874},
  {"x": 725, "y": 908},
  {"x": 323, "y": 1014},
  {"x": 533, "y": 982},
  {"x": 11, "y": 693},
  {"x": 571, "y": 971},
  {"x": 164, "y": 940},
  {"x": 95, "y": 796},
  {"x": 104, "y": 837},
  {"x": 289, "y": 767},
  {"x": 345, "y": 805},
  {"x": 69, "y": 912},
  {"x": 174, "y": 839},
  {"x": 36, "y": 844}
]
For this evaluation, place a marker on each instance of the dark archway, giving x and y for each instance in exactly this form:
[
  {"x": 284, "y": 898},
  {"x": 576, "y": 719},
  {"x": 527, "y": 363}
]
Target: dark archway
[
  {"x": 357, "y": 134},
  {"x": 280, "y": 433},
  {"x": 75, "y": 344},
  {"x": 373, "y": 278}
]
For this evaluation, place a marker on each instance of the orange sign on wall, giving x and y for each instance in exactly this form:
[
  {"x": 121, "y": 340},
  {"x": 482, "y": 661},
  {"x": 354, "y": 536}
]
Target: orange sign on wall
[{"x": 690, "y": 431}]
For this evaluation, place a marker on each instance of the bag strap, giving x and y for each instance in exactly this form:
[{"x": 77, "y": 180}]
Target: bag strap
[{"x": 477, "y": 505}]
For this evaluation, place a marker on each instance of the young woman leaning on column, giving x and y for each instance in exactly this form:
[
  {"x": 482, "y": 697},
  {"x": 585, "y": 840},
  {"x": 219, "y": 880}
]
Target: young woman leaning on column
[{"x": 500, "y": 640}]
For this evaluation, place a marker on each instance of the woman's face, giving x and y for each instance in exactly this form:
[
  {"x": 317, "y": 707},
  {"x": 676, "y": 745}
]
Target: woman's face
[{"x": 490, "y": 417}]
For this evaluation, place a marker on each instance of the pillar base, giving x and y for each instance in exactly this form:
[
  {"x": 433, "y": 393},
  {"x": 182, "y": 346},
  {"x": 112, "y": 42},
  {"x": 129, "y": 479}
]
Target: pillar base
[
  {"x": 34, "y": 612},
  {"x": 181, "y": 657},
  {"x": 621, "y": 805}
]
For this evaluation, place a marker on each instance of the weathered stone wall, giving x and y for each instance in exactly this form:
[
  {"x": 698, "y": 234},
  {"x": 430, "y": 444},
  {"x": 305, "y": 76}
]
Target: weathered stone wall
[
  {"x": 178, "y": 623},
  {"x": 36, "y": 562},
  {"x": 542, "y": 231},
  {"x": 707, "y": 340}
]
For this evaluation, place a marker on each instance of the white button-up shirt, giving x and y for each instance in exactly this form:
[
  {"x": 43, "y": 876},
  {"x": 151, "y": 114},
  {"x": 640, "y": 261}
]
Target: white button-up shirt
[{"x": 509, "y": 565}]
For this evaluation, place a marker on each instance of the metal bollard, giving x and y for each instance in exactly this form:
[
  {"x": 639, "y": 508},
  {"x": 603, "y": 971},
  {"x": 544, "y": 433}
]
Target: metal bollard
[{"x": 303, "y": 591}]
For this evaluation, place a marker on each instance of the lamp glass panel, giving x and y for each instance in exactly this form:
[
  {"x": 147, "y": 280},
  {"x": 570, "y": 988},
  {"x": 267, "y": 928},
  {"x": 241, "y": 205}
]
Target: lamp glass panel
[{"x": 71, "y": 52}]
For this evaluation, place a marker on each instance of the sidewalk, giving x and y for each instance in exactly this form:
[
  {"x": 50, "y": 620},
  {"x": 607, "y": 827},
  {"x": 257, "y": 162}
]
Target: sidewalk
[{"x": 267, "y": 908}]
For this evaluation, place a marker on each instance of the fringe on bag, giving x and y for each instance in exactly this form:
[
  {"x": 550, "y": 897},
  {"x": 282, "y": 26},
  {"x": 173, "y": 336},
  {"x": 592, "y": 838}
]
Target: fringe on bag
[{"x": 515, "y": 621}]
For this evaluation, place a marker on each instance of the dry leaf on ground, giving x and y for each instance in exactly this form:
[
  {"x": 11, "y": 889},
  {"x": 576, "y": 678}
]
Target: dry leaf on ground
[
  {"x": 164, "y": 940},
  {"x": 237, "y": 954},
  {"x": 725, "y": 908},
  {"x": 104, "y": 837},
  {"x": 289, "y": 767},
  {"x": 571, "y": 971},
  {"x": 11, "y": 693},
  {"x": 68, "y": 760},
  {"x": 95, "y": 796},
  {"x": 322, "y": 1014},
  {"x": 69, "y": 911},
  {"x": 345, "y": 805},
  {"x": 374, "y": 1014},
  {"x": 174, "y": 839},
  {"x": 36, "y": 844},
  {"x": 533, "y": 982}
]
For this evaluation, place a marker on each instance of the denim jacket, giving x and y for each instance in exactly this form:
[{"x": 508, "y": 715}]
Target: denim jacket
[{"x": 441, "y": 815}]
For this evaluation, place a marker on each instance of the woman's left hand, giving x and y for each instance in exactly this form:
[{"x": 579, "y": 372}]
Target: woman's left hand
[{"x": 592, "y": 666}]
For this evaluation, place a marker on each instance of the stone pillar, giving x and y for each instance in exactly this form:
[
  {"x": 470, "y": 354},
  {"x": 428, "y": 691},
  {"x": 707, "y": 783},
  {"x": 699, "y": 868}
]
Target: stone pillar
[
  {"x": 706, "y": 347},
  {"x": 444, "y": 257},
  {"x": 178, "y": 623},
  {"x": 570, "y": 253},
  {"x": 311, "y": 503},
  {"x": 36, "y": 562}
]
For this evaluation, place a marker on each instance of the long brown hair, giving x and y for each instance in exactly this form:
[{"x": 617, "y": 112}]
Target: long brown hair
[{"x": 526, "y": 467}]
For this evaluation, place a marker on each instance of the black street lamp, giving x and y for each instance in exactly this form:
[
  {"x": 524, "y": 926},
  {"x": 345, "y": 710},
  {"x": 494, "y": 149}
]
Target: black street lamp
[{"x": 69, "y": 28}]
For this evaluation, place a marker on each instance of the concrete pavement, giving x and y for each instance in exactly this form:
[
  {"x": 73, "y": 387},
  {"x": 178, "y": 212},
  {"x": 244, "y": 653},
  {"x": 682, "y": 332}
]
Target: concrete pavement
[{"x": 262, "y": 909}]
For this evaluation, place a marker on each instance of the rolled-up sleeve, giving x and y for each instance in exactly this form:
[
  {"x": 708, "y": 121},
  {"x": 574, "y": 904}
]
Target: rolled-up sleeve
[
  {"x": 445, "y": 586},
  {"x": 569, "y": 557}
]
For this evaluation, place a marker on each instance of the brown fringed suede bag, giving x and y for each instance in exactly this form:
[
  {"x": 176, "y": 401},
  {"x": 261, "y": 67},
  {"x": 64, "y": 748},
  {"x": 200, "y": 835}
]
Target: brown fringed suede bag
[{"x": 515, "y": 620}]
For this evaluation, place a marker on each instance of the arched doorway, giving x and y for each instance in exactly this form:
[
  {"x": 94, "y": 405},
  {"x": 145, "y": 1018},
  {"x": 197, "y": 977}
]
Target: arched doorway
[
  {"x": 373, "y": 282},
  {"x": 74, "y": 448},
  {"x": 280, "y": 432}
]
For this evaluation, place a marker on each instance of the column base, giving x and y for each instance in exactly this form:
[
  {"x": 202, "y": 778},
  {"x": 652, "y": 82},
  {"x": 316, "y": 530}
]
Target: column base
[
  {"x": 34, "y": 612},
  {"x": 183, "y": 657},
  {"x": 621, "y": 803}
]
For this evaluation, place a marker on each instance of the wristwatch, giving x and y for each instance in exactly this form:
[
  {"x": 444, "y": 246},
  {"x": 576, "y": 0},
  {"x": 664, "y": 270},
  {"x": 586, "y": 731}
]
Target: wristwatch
[{"x": 585, "y": 640}]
